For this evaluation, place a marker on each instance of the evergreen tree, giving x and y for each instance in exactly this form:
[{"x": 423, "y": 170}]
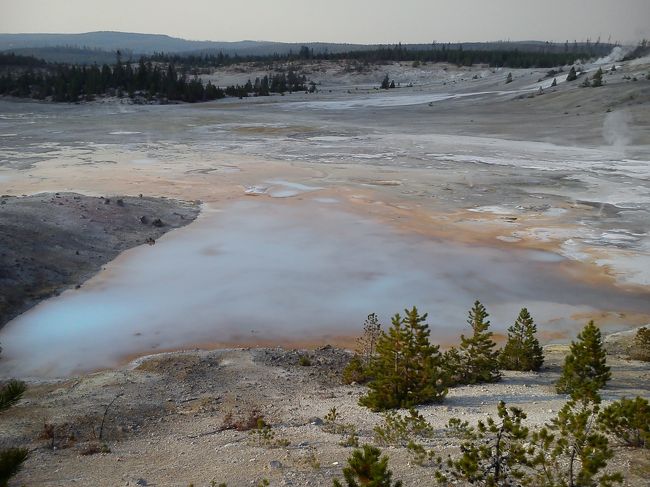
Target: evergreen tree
[
  {"x": 11, "y": 393},
  {"x": 572, "y": 451},
  {"x": 385, "y": 84},
  {"x": 452, "y": 364},
  {"x": 522, "y": 351},
  {"x": 572, "y": 76},
  {"x": 357, "y": 368},
  {"x": 479, "y": 360},
  {"x": 367, "y": 343},
  {"x": 509, "y": 78},
  {"x": 641, "y": 347},
  {"x": 407, "y": 368},
  {"x": 367, "y": 468},
  {"x": 585, "y": 369},
  {"x": 629, "y": 421},
  {"x": 11, "y": 459},
  {"x": 494, "y": 453},
  {"x": 597, "y": 78}
]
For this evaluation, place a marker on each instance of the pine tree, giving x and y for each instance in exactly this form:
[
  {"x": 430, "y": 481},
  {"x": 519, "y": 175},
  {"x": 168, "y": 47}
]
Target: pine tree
[
  {"x": 367, "y": 343},
  {"x": 597, "y": 78},
  {"x": 494, "y": 453},
  {"x": 11, "y": 393},
  {"x": 641, "y": 347},
  {"x": 629, "y": 421},
  {"x": 367, "y": 468},
  {"x": 572, "y": 76},
  {"x": 407, "y": 368},
  {"x": 11, "y": 459},
  {"x": 452, "y": 364},
  {"x": 479, "y": 361},
  {"x": 572, "y": 451},
  {"x": 522, "y": 351},
  {"x": 385, "y": 84},
  {"x": 357, "y": 368},
  {"x": 585, "y": 369}
]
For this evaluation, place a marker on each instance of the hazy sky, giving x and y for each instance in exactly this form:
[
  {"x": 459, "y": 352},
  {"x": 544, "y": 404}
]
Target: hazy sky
[{"x": 363, "y": 21}]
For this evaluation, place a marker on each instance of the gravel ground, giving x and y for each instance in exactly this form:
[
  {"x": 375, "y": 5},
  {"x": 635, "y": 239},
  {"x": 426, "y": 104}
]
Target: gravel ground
[{"x": 167, "y": 425}]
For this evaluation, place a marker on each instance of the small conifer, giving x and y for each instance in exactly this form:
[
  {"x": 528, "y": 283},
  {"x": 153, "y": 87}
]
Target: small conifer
[
  {"x": 494, "y": 453},
  {"x": 572, "y": 76},
  {"x": 11, "y": 459},
  {"x": 407, "y": 369},
  {"x": 597, "y": 79},
  {"x": 522, "y": 351},
  {"x": 479, "y": 360},
  {"x": 572, "y": 451},
  {"x": 585, "y": 369},
  {"x": 629, "y": 421},
  {"x": 641, "y": 346},
  {"x": 366, "y": 467}
]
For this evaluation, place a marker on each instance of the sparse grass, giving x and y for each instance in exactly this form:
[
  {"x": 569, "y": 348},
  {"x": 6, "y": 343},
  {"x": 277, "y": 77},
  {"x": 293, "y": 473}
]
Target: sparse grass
[
  {"x": 247, "y": 422},
  {"x": 95, "y": 448},
  {"x": 311, "y": 459},
  {"x": 400, "y": 430},
  {"x": 264, "y": 436}
]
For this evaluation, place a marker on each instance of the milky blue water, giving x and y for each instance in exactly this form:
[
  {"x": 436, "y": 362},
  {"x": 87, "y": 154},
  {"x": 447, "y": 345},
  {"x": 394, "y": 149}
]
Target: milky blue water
[{"x": 286, "y": 271}]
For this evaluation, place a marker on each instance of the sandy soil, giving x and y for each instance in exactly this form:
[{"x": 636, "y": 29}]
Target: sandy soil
[
  {"x": 52, "y": 241},
  {"x": 166, "y": 426}
]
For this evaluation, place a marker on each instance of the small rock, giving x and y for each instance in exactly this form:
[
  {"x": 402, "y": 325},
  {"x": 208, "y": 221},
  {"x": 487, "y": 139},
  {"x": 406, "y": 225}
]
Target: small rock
[
  {"x": 275, "y": 464},
  {"x": 141, "y": 482},
  {"x": 316, "y": 421}
]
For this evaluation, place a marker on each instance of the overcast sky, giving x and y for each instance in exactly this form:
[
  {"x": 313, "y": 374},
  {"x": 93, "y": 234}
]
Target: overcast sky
[{"x": 358, "y": 21}]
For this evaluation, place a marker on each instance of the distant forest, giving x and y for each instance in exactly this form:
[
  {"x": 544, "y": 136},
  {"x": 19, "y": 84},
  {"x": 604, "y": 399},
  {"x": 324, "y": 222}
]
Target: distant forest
[
  {"x": 170, "y": 77},
  {"x": 511, "y": 58},
  {"x": 72, "y": 83}
]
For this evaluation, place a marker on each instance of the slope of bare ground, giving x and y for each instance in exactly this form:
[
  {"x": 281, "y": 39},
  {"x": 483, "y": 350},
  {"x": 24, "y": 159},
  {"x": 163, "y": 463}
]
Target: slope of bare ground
[
  {"x": 51, "y": 241},
  {"x": 166, "y": 427}
]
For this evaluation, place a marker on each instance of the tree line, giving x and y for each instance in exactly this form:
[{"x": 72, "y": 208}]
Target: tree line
[
  {"x": 152, "y": 81},
  {"x": 437, "y": 53}
]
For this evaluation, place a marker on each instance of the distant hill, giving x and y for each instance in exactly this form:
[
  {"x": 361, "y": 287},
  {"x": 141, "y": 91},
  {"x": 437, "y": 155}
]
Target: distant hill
[
  {"x": 150, "y": 43},
  {"x": 100, "y": 47}
]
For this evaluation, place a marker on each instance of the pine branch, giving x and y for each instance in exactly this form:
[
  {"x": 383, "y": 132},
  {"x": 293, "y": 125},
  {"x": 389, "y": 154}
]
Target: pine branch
[{"x": 11, "y": 394}]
